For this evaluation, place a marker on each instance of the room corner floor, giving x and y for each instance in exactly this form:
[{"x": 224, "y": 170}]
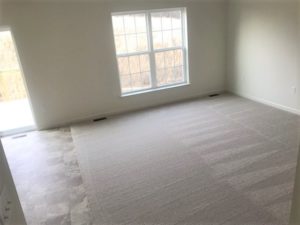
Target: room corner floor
[
  {"x": 211, "y": 161},
  {"x": 47, "y": 176}
]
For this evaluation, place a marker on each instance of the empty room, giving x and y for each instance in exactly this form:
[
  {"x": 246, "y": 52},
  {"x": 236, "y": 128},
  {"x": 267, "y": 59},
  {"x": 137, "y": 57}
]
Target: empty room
[{"x": 138, "y": 112}]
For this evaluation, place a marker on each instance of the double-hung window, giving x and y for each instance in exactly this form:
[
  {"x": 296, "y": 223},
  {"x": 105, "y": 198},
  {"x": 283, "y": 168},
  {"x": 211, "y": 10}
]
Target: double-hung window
[{"x": 151, "y": 49}]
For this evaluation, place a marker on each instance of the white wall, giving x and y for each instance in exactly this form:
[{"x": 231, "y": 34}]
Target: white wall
[
  {"x": 68, "y": 57},
  {"x": 263, "y": 51}
]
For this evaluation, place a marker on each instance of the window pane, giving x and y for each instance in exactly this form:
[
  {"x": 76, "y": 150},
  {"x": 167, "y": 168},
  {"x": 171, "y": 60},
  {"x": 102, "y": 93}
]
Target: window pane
[
  {"x": 170, "y": 75},
  {"x": 140, "y": 81},
  {"x": 129, "y": 23},
  {"x": 160, "y": 77},
  {"x": 164, "y": 59},
  {"x": 135, "y": 82},
  {"x": 134, "y": 72},
  {"x": 123, "y": 65},
  {"x": 166, "y": 77},
  {"x": 169, "y": 67},
  {"x": 176, "y": 19},
  {"x": 178, "y": 74},
  {"x": 142, "y": 42},
  {"x": 130, "y": 33},
  {"x": 166, "y": 29},
  {"x": 177, "y": 38},
  {"x": 131, "y": 43},
  {"x": 134, "y": 64},
  {"x": 169, "y": 59},
  {"x": 167, "y": 38},
  {"x": 178, "y": 57},
  {"x": 146, "y": 80},
  {"x": 140, "y": 21},
  {"x": 120, "y": 43},
  {"x": 156, "y": 21},
  {"x": 144, "y": 63},
  {"x": 157, "y": 40},
  {"x": 118, "y": 25},
  {"x": 160, "y": 60},
  {"x": 166, "y": 21},
  {"x": 126, "y": 83}
]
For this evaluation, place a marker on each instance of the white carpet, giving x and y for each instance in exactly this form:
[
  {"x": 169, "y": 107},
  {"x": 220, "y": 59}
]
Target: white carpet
[{"x": 223, "y": 160}]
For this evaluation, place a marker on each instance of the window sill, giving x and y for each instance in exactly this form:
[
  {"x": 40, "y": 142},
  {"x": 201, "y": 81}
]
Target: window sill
[{"x": 154, "y": 89}]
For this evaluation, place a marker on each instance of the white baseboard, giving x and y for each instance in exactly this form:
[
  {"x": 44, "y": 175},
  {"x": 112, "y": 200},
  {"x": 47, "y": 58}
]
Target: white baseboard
[
  {"x": 120, "y": 112},
  {"x": 269, "y": 103}
]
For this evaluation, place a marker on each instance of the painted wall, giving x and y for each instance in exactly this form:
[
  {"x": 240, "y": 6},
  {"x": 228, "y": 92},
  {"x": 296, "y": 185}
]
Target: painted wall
[
  {"x": 1, "y": 13},
  {"x": 263, "y": 51},
  {"x": 68, "y": 57}
]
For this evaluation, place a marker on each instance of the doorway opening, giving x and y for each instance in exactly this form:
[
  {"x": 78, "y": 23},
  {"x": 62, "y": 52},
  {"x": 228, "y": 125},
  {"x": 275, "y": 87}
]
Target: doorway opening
[{"x": 15, "y": 109}]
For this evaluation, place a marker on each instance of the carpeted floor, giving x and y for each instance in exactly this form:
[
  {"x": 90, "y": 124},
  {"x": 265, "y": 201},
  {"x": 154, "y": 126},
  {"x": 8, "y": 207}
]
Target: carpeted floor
[{"x": 223, "y": 160}]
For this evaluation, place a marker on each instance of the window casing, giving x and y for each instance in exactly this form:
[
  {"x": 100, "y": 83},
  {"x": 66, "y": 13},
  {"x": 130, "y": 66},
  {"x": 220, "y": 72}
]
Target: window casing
[{"x": 151, "y": 49}]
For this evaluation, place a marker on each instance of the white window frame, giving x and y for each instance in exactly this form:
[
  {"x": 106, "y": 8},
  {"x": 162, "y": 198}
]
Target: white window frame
[{"x": 151, "y": 51}]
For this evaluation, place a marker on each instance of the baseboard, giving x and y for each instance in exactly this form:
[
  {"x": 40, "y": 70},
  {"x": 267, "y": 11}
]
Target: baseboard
[
  {"x": 269, "y": 103},
  {"x": 126, "y": 111},
  {"x": 172, "y": 102}
]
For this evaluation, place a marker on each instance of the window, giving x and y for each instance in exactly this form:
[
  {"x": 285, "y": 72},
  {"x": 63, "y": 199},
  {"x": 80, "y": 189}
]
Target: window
[{"x": 151, "y": 49}]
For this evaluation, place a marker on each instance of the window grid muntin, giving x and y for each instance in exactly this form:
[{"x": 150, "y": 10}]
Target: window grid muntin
[
  {"x": 179, "y": 68},
  {"x": 163, "y": 30},
  {"x": 132, "y": 73},
  {"x": 174, "y": 57},
  {"x": 129, "y": 65},
  {"x": 151, "y": 51},
  {"x": 127, "y": 35}
]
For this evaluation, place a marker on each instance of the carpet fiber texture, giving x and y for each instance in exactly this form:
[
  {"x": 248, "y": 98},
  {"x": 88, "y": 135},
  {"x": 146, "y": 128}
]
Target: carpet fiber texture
[{"x": 223, "y": 160}]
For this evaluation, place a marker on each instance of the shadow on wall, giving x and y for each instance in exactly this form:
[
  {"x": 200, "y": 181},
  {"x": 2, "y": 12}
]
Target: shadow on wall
[{"x": 264, "y": 49}]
